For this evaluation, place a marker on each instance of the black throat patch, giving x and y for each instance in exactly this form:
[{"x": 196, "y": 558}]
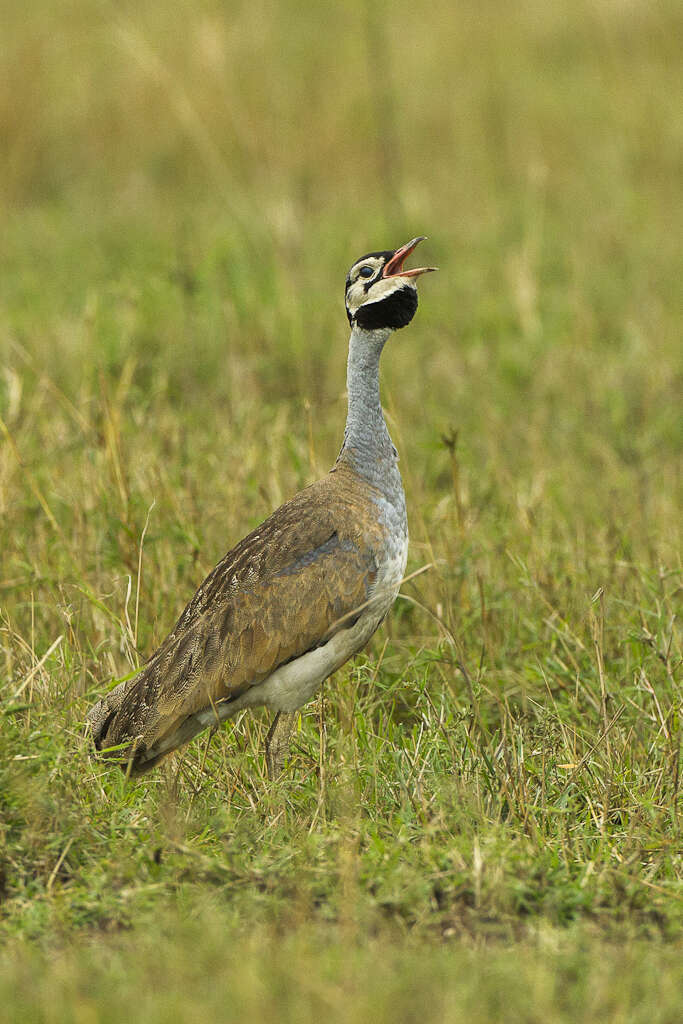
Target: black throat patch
[{"x": 394, "y": 311}]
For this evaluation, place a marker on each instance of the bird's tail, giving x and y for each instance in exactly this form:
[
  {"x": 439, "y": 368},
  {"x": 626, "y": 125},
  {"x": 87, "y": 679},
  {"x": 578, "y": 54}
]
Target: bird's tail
[
  {"x": 116, "y": 734},
  {"x": 129, "y": 726}
]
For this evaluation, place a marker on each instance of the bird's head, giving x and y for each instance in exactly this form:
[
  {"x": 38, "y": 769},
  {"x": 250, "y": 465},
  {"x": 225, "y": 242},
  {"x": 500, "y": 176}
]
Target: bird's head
[{"x": 380, "y": 294}]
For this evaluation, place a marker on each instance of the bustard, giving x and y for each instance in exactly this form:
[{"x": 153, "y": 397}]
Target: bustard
[{"x": 304, "y": 591}]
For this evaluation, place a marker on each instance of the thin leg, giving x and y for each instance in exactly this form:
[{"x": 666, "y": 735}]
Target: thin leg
[{"x": 277, "y": 741}]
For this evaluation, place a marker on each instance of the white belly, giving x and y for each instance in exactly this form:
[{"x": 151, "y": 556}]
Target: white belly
[{"x": 295, "y": 683}]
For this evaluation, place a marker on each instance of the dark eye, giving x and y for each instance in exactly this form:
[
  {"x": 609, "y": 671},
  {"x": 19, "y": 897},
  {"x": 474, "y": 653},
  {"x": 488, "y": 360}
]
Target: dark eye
[{"x": 366, "y": 272}]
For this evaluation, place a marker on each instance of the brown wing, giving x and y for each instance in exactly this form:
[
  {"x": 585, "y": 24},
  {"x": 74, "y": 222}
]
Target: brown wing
[{"x": 276, "y": 595}]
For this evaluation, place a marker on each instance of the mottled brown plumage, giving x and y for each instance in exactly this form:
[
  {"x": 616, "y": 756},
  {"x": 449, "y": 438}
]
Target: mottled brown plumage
[
  {"x": 301, "y": 593},
  {"x": 276, "y": 595}
]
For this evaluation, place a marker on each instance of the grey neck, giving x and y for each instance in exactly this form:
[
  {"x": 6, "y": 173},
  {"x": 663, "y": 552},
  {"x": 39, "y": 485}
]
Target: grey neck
[{"x": 367, "y": 446}]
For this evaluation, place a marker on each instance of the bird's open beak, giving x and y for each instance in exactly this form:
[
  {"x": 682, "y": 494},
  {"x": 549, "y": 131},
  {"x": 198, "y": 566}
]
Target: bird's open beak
[{"x": 394, "y": 268}]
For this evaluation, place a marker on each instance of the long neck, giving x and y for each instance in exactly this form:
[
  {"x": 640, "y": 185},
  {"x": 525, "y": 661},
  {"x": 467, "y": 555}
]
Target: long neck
[{"x": 367, "y": 446}]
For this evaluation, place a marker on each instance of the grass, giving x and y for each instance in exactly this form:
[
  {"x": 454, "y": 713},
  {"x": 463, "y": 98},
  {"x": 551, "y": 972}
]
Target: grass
[{"x": 480, "y": 817}]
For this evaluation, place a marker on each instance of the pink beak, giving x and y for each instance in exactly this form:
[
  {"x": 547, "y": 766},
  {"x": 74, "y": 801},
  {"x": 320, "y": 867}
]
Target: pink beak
[{"x": 394, "y": 268}]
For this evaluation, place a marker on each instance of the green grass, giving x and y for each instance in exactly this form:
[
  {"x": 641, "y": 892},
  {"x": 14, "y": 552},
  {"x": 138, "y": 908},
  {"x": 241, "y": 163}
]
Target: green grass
[{"x": 480, "y": 817}]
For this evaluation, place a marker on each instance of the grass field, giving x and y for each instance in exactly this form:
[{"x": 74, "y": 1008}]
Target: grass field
[{"x": 481, "y": 815}]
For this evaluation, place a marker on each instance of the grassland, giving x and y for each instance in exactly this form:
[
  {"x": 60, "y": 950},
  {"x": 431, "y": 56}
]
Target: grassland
[{"x": 481, "y": 816}]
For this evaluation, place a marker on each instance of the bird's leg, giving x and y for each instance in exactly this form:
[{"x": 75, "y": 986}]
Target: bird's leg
[{"x": 277, "y": 741}]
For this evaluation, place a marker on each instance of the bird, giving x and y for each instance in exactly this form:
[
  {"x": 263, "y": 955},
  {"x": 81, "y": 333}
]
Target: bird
[{"x": 304, "y": 591}]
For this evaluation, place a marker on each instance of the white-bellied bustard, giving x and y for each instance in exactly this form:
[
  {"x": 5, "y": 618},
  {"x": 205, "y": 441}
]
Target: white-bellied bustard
[{"x": 305, "y": 590}]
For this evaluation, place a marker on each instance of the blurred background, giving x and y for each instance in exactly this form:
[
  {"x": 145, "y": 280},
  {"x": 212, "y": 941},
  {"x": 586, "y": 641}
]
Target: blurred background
[{"x": 184, "y": 185}]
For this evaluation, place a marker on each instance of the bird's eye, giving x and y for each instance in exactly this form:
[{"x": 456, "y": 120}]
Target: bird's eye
[{"x": 366, "y": 272}]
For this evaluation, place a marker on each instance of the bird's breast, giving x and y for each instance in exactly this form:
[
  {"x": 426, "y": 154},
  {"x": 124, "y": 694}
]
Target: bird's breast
[{"x": 393, "y": 555}]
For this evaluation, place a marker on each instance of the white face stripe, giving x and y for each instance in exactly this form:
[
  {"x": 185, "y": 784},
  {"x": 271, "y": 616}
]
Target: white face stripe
[{"x": 357, "y": 293}]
